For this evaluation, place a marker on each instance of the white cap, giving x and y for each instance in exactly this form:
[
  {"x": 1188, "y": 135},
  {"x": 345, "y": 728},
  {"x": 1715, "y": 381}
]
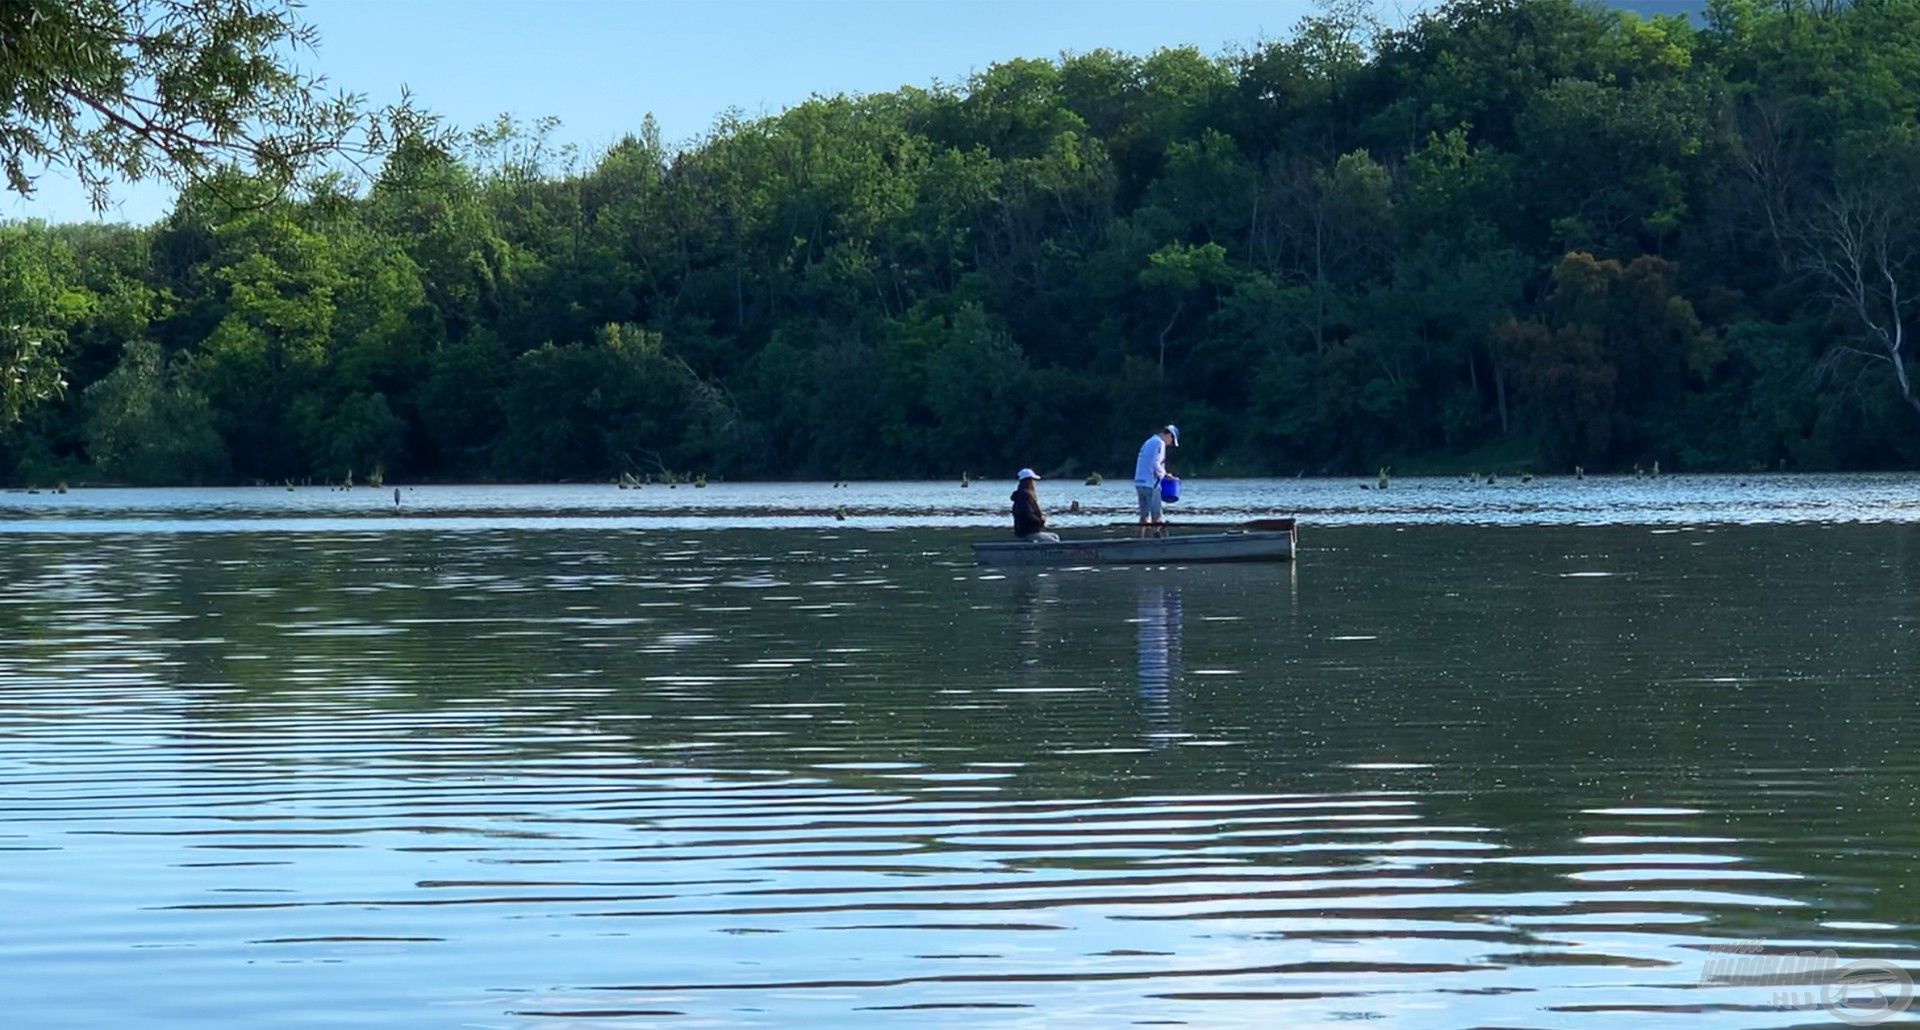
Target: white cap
[
  {"x": 1028, "y": 474},
  {"x": 1173, "y": 431}
]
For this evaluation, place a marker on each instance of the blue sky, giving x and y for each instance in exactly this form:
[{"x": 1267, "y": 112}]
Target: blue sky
[{"x": 602, "y": 65}]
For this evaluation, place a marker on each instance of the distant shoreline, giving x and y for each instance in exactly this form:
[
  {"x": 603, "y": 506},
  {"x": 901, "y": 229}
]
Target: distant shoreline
[{"x": 1051, "y": 484}]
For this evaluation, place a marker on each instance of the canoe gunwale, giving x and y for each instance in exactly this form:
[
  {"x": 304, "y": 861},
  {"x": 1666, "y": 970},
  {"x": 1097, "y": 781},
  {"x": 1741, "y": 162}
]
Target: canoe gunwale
[{"x": 1190, "y": 549}]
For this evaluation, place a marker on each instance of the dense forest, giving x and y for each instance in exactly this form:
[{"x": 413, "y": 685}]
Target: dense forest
[{"x": 1505, "y": 234}]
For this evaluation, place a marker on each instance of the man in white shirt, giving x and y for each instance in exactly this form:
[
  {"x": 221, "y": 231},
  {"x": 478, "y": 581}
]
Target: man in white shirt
[{"x": 1148, "y": 470}]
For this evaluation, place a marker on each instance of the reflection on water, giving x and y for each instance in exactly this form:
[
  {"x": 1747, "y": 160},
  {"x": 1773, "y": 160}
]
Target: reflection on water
[
  {"x": 1159, "y": 619},
  {"x": 1452, "y": 777},
  {"x": 1036, "y": 594}
]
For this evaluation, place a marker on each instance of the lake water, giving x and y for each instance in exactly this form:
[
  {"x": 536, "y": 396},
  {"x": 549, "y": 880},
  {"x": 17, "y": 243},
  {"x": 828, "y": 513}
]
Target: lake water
[{"x": 1602, "y": 753}]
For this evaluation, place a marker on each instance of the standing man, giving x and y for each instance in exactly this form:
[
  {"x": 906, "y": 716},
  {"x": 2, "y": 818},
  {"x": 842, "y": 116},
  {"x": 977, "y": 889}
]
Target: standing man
[
  {"x": 1148, "y": 471},
  {"x": 1029, "y": 522}
]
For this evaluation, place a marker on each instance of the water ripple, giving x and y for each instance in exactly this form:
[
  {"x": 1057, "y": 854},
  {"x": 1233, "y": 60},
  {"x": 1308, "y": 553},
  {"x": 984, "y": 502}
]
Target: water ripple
[{"x": 551, "y": 778}]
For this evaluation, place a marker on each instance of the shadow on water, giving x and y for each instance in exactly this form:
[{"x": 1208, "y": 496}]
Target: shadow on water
[{"x": 1528, "y": 776}]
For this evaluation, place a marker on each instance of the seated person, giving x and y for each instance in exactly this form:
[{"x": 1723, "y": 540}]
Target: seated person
[{"x": 1029, "y": 522}]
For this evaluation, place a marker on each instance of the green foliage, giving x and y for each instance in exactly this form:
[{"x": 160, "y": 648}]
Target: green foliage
[
  {"x": 1530, "y": 229},
  {"x": 146, "y": 424},
  {"x": 39, "y": 304},
  {"x": 29, "y": 367},
  {"x": 620, "y": 403},
  {"x": 130, "y": 88},
  {"x": 358, "y": 432}
]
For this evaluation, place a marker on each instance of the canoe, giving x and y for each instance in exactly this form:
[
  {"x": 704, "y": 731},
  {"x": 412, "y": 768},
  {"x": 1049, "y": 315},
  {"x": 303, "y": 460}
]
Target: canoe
[
  {"x": 1236, "y": 546},
  {"x": 1275, "y": 525}
]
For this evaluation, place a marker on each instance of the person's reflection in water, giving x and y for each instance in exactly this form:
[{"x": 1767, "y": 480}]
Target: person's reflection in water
[
  {"x": 1158, "y": 617},
  {"x": 1034, "y": 595}
]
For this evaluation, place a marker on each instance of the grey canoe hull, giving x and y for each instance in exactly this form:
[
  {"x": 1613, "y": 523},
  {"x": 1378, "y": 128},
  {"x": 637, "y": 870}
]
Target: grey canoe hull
[{"x": 1167, "y": 550}]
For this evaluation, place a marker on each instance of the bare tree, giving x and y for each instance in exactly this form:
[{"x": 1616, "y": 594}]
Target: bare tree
[
  {"x": 1327, "y": 229},
  {"x": 1843, "y": 225},
  {"x": 1763, "y": 149},
  {"x": 1856, "y": 244}
]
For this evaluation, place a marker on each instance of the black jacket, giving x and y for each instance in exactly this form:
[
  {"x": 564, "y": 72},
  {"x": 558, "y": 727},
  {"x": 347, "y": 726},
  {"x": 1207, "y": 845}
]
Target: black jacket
[{"x": 1027, "y": 519}]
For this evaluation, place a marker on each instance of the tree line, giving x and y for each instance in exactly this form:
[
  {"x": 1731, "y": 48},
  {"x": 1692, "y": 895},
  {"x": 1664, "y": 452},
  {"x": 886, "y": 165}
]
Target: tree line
[{"x": 1518, "y": 234}]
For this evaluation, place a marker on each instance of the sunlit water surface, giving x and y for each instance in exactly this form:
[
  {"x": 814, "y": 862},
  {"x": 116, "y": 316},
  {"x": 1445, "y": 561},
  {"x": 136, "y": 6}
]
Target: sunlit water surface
[
  {"x": 273, "y": 758},
  {"x": 1603, "y": 500}
]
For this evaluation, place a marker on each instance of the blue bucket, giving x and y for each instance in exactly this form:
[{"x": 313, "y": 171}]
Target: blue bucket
[{"x": 1170, "y": 489}]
